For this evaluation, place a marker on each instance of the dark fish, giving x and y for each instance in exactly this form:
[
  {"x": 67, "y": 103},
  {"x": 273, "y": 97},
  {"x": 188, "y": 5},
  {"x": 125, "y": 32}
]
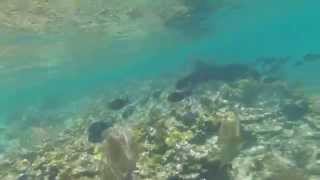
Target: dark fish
[
  {"x": 311, "y": 57},
  {"x": 118, "y": 103}
]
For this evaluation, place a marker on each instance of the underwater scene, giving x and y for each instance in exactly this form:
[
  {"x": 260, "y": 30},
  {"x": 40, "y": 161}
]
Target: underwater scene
[{"x": 159, "y": 90}]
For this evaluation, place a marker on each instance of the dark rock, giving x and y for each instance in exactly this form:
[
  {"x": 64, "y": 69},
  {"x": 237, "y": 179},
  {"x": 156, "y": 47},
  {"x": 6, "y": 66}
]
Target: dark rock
[
  {"x": 189, "y": 118},
  {"x": 178, "y": 96},
  {"x": 128, "y": 112},
  {"x": 295, "y": 110},
  {"x": 174, "y": 178},
  {"x": 214, "y": 170},
  {"x": 227, "y": 73},
  {"x": 53, "y": 172},
  {"x": 250, "y": 138},
  {"x": 96, "y": 129},
  {"x": 118, "y": 103},
  {"x": 270, "y": 79},
  {"x": 29, "y": 155},
  {"x": 86, "y": 173},
  {"x": 209, "y": 128},
  {"x": 272, "y": 65},
  {"x": 23, "y": 177},
  {"x": 2, "y": 148},
  {"x": 234, "y": 72},
  {"x": 156, "y": 94}
]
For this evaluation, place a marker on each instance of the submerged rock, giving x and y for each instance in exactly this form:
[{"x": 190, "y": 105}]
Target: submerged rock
[
  {"x": 178, "y": 96},
  {"x": 295, "y": 110},
  {"x": 228, "y": 73},
  {"x": 23, "y": 177},
  {"x": 213, "y": 170},
  {"x": 118, "y": 103},
  {"x": 272, "y": 65},
  {"x": 120, "y": 154},
  {"x": 315, "y": 104},
  {"x": 96, "y": 129},
  {"x": 189, "y": 118},
  {"x": 156, "y": 94},
  {"x": 2, "y": 148},
  {"x": 229, "y": 138},
  {"x": 128, "y": 112},
  {"x": 198, "y": 138},
  {"x": 53, "y": 172},
  {"x": 270, "y": 79}
]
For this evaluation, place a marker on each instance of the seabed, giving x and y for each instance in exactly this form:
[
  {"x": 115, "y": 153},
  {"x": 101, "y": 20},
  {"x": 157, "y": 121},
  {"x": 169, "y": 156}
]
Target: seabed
[{"x": 186, "y": 127}]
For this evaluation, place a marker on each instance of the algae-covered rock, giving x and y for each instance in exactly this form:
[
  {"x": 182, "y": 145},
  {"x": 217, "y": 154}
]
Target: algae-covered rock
[
  {"x": 315, "y": 104},
  {"x": 121, "y": 153},
  {"x": 96, "y": 129},
  {"x": 295, "y": 110},
  {"x": 248, "y": 91},
  {"x": 118, "y": 103},
  {"x": 175, "y": 136},
  {"x": 178, "y": 95},
  {"x": 212, "y": 72},
  {"x": 281, "y": 168},
  {"x": 197, "y": 138},
  {"x": 230, "y": 138}
]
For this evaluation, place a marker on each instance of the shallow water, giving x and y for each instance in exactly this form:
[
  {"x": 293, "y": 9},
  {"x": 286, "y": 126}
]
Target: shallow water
[{"x": 55, "y": 57}]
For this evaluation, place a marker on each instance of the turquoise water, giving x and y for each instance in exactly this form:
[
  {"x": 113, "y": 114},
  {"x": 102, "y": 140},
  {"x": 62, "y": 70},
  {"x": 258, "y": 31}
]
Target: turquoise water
[
  {"x": 236, "y": 32},
  {"x": 78, "y": 64},
  {"x": 48, "y": 71}
]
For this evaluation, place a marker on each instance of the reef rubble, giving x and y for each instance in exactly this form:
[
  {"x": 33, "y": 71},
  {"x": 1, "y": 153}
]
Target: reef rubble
[{"x": 224, "y": 130}]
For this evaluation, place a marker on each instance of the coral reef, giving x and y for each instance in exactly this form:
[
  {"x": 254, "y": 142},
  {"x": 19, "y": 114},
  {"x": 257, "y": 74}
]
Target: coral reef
[
  {"x": 96, "y": 129},
  {"x": 229, "y": 138},
  {"x": 120, "y": 154},
  {"x": 235, "y": 128}
]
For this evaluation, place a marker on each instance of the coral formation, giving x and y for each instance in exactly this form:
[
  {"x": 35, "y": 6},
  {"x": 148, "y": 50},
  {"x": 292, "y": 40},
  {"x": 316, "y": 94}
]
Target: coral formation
[
  {"x": 217, "y": 133},
  {"x": 120, "y": 154},
  {"x": 229, "y": 138},
  {"x": 96, "y": 129}
]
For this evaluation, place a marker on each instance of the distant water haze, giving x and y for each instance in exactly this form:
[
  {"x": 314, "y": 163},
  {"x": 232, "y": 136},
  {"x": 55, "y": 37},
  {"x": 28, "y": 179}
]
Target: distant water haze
[{"x": 70, "y": 61}]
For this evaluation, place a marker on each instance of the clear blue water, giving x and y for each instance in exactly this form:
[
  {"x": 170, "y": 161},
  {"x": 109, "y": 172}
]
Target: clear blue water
[{"x": 53, "y": 69}]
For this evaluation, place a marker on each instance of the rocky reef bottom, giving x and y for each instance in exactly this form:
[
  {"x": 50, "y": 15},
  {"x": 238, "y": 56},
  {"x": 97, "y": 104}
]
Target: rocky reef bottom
[{"x": 241, "y": 130}]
